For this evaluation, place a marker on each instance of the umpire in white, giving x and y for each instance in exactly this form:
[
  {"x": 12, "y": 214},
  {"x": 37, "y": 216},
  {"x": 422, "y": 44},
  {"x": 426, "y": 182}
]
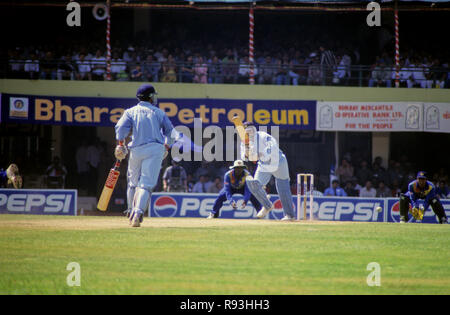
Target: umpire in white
[{"x": 149, "y": 127}]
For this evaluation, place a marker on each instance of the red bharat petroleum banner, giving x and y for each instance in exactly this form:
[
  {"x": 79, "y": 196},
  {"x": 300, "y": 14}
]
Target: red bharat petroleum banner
[
  {"x": 369, "y": 116},
  {"x": 436, "y": 117}
]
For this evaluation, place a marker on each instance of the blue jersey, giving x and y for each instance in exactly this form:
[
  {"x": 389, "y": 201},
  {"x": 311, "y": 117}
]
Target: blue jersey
[
  {"x": 231, "y": 182},
  {"x": 148, "y": 124},
  {"x": 415, "y": 192},
  {"x": 339, "y": 192}
]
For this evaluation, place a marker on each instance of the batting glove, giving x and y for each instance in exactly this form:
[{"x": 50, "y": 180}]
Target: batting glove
[{"x": 120, "y": 152}]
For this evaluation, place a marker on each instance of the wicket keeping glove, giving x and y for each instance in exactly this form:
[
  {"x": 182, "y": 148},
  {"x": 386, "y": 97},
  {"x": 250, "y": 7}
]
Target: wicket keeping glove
[{"x": 415, "y": 213}]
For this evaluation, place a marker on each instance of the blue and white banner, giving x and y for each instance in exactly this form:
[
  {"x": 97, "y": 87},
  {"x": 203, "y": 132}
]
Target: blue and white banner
[
  {"x": 324, "y": 208},
  {"x": 38, "y": 201}
]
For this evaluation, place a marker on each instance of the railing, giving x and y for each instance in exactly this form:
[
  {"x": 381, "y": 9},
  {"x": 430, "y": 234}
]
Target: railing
[{"x": 232, "y": 73}]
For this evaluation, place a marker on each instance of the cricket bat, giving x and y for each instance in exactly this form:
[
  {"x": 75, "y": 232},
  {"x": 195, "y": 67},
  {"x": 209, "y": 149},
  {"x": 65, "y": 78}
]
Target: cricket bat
[
  {"x": 108, "y": 189},
  {"x": 239, "y": 127},
  {"x": 242, "y": 134}
]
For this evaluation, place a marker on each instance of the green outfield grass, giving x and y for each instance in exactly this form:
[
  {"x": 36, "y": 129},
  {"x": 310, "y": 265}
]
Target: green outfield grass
[{"x": 196, "y": 256}]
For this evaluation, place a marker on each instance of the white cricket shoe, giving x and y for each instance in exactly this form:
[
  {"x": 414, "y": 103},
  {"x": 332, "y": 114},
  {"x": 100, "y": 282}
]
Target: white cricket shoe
[
  {"x": 210, "y": 216},
  {"x": 263, "y": 212},
  {"x": 136, "y": 219},
  {"x": 287, "y": 218}
]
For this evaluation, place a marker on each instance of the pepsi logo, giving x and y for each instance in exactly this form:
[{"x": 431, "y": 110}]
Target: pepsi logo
[
  {"x": 395, "y": 212},
  {"x": 165, "y": 206},
  {"x": 277, "y": 213}
]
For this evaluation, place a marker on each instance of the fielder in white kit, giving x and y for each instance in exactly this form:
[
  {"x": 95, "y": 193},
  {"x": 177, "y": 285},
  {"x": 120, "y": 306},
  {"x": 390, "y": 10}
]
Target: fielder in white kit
[
  {"x": 262, "y": 147},
  {"x": 149, "y": 127}
]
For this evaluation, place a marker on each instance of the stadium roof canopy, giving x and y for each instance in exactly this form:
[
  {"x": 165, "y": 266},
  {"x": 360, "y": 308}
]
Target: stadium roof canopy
[
  {"x": 429, "y": 5},
  {"x": 256, "y": 2}
]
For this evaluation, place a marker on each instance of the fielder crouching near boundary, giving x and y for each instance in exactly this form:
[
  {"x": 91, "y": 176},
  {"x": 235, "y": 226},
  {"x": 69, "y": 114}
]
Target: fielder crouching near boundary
[
  {"x": 148, "y": 125},
  {"x": 234, "y": 183},
  {"x": 421, "y": 188}
]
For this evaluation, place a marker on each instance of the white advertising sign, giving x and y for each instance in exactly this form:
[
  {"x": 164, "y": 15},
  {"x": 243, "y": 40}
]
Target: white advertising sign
[{"x": 369, "y": 116}]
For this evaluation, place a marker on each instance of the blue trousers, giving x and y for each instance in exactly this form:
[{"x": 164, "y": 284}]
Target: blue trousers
[{"x": 223, "y": 197}]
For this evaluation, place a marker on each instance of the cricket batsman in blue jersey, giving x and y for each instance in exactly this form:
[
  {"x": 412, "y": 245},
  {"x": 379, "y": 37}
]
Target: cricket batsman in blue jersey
[
  {"x": 421, "y": 188},
  {"x": 152, "y": 133},
  {"x": 234, "y": 183}
]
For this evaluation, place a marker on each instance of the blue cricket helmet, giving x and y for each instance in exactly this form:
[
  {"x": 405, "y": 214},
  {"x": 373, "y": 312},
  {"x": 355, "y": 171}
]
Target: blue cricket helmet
[
  {"x": 421, "y": 174},
  {"x": 145, "y": 91}
]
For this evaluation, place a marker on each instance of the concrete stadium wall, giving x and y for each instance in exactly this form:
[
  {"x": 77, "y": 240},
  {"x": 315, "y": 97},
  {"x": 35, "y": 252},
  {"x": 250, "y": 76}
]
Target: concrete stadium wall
[{"x": 224, "y": 91}]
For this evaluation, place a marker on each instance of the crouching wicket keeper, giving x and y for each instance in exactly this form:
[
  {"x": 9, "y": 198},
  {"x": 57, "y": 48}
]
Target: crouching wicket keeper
[
  {"x": 234, "y": 183},
  {"x": 421, "y": 188}
]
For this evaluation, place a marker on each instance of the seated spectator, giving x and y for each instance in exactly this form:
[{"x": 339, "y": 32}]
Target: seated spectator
[
  {"x": 31, "y": 67},
  {"x": 292, "y": 75},
  {"x": 437, "y": 75},
  {"x": 442, "y": 190},
  {"x": 214, "y": 71},
  {"x": 282, "y": 71},
  {"x": 83, "y": 68},
  {"x": 383, "y": 191},
  {"x": 266, "y": 72},
  {"x": 56, "y": 174},
  {"x": 65, "y": 68},
  {"x": 363, "y": 173},
  {"x": 169, "y": 70},
  {"x": 349, "y": 190},
  {"x": 302, "y": 70},
  {"x": 187, "y": 70},
  {"x": 118, "y": 66},
  {"x": 416, "y": 76},
  {"x": 151, "y": 69},
  {"x": 244, "y": 71},
  {"x": 216, "y": 187},
  {"x": 356, "y": 185},
  {"x": 314, "y": 71},
  {"x": 378, "y": 174},
  {"x": 190, "y": 182},
  {"x": 230, "y": 67},
  {"x": 202, "y": 185},
  {"x": 339, "y": 71},
  {"x": 48, "y": 67},
  {"x": 345, "y": 171},
  {"x": 406, "y": 76},
  {"x": 335, "y": 190},
  {"x": 136, "y": 73},
  {"x": 98, "y": 66},
  {"x": 381, "y": 75},
  {"x": 368, "y": 190},
  {"x": 175, "y": 178},
  {"x": 201, "y": 71},
  {"x": 420, "y": 74}
]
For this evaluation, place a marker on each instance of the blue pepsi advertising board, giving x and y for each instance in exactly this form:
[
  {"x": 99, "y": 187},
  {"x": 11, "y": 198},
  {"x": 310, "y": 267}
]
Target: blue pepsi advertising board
[
  {"x": 324, "y": 208},
  {"x": 38, "y": 201}
]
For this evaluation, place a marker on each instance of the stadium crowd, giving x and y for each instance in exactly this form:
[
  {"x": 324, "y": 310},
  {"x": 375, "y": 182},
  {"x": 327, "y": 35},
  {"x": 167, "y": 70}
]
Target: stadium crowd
[{"x": 316, "y": 65}]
